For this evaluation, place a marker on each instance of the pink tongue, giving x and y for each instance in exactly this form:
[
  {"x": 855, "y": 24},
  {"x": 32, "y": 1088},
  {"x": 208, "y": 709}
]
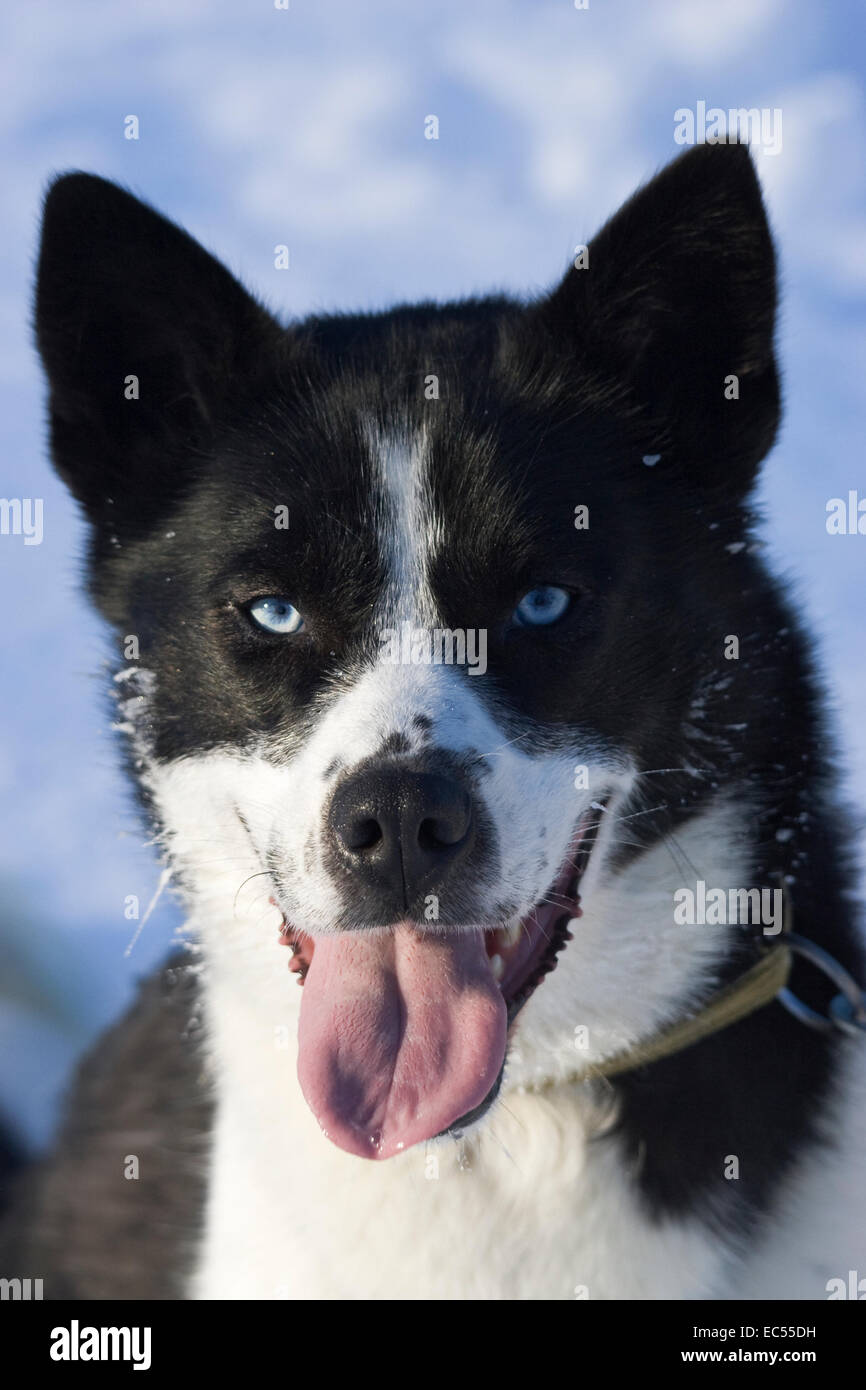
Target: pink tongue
[{"x": 401, "y": 1033}]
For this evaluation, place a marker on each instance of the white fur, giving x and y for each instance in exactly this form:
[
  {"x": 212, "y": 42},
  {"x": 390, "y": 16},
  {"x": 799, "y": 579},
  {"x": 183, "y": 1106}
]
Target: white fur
[
  {"x": 537, "y": 1201},
  {"x": 292, "y": 1216},
  {"x": 408, "y": 524}
]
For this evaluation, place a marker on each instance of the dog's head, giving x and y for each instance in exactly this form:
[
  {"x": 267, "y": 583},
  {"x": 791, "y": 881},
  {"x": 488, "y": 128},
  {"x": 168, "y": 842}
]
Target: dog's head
[{"x": 412, "y": 609}]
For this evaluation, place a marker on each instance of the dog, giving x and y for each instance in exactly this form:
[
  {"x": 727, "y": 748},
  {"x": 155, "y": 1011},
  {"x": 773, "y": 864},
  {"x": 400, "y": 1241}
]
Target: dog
[{"x": 492, "y": 766}]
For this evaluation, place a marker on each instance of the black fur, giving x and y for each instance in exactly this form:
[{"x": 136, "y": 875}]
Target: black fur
[{"x": 82, "y": 1221}]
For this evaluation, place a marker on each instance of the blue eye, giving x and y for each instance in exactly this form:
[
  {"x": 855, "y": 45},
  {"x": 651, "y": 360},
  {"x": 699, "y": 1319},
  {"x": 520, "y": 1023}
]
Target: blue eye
[
  {"x": 275, "y": 614},
  {"x": 542, "y": 606}
]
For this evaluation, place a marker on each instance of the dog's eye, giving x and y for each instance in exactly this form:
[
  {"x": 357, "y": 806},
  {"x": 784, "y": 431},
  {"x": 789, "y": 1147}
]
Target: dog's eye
[
  {"x": 542, "y": 606},
  {"x": 275, "y": 614}
]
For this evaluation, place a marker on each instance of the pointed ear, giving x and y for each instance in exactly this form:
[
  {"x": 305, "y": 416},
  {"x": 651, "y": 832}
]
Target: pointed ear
[
  {"x": 145, "y": 339},
  {"x": 679, "y": 300}
]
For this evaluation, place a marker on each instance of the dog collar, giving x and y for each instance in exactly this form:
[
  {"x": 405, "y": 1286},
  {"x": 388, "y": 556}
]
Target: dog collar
[
  {"x": 765, "y": 981},
  {"x": 751, "y": 991}
]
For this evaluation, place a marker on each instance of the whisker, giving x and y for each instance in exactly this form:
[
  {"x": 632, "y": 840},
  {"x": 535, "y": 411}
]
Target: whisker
[
  {"x": 265, "y": 873},
  {"x": 163, "y": 880},
  {"x": 670, "y": 836},
  {"x": 499, "y": 747},
  {"x": 656, "y": 771}
]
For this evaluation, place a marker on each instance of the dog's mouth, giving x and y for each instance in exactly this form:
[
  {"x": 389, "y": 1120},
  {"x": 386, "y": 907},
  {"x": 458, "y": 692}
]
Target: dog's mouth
[{"x": 403, "y": 1033}]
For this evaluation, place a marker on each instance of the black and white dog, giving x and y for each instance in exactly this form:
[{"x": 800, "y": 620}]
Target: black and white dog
[{"x": 446, "y": 657}]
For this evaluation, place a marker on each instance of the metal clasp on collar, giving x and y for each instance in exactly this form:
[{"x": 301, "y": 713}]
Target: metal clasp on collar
[{"x": 847, "y": 1009}]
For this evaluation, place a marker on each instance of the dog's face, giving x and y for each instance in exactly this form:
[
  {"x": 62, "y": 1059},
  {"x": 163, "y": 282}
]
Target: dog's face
[{"x": 414, "y": 607}]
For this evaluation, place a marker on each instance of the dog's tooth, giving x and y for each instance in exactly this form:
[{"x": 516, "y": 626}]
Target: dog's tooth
[
  {"x": 511, "y": 935},
  {"x": 497, "y": 965}
]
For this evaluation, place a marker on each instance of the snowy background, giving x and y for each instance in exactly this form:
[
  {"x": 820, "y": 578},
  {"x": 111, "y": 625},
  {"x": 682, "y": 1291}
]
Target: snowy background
[{"x": 261, "y": 126}]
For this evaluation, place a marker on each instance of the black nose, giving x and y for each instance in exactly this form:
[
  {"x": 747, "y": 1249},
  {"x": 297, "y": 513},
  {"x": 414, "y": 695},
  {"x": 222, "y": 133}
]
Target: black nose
[{"x": 402, "y": 831}]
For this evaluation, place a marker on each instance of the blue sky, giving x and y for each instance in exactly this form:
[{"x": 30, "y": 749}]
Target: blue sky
[{"x": 306, "y": 127}]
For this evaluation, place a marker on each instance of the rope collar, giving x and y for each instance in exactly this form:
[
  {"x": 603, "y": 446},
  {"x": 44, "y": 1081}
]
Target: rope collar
[{"x": 757, "y": 987}]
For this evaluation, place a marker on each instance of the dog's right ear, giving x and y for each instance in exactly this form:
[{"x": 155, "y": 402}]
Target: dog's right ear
[
  {"x": 146, "y": 339},
  {"x": 678, "y": 300}
]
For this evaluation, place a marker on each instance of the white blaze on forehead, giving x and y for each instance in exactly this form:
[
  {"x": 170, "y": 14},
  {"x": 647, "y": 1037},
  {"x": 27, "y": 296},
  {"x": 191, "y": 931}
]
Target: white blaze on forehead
[{"x": 409, "y": 529}]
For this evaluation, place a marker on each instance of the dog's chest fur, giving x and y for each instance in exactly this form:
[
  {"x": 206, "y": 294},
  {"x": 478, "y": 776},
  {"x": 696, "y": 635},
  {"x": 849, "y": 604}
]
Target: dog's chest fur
[
  {"x": 566, "y": 1190},
  {"x": 542, "y": 1207},
  {"x": 540, "y": 1202},
  {"x": 545, "y": 1199}
]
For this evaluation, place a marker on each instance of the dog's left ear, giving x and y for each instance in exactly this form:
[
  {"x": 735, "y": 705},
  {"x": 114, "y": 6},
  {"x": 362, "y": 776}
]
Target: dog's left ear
[
  {"x": 147, "y": 341},
  {"x": 678, "y": 297}
]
